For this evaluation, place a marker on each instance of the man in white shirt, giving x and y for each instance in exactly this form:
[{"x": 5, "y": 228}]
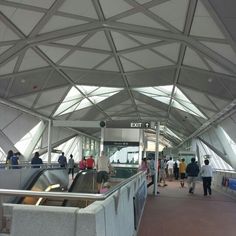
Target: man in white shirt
[
  {"x": 103, "y": 169},
  {"x": 206, "y": 173},
  {"x": 170, "y": 166}
]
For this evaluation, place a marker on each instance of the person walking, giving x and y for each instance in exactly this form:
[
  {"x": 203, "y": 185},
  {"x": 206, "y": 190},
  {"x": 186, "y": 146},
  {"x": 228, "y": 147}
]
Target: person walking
[
  {"x": 170, "y": 166},
  {"x": 71, "y": 166},
  {"x": 36, "y": 161},
  {"x": 192, "y": 171},
  {"x": 182, "y": 171},
  {"x": 103, "y": 169},
  {"x": 62, "y": 160},
  {"x": 206, "y": 173},
  {"x": 152, "y": 172},
  {"x": 162, "y": 172}
]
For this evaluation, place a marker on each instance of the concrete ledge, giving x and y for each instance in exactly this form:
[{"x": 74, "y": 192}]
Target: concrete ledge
[
  {"x": 91, "y": 221},
  {"x": 43, "y": 221}
]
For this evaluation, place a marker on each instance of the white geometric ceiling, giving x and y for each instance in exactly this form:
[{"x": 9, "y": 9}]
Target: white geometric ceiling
[{"x": 163, "y": 60}]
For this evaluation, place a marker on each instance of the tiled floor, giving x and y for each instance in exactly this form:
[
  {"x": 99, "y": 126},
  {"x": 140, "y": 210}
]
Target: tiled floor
[{"x": 175, "y": 212}]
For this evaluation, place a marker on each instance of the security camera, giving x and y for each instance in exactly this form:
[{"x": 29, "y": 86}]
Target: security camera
[{"x": 102, "y": 124}]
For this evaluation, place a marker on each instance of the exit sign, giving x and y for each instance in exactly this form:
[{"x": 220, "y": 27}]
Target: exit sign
[{"x": 128, "y": 124}]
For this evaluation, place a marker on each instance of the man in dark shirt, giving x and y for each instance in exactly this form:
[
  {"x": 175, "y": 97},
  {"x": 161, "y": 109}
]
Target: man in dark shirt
[
  {"x": 192, "y": 171},
  {"x": 36, "y": 161},
  {"x": 62, "y": 160}
]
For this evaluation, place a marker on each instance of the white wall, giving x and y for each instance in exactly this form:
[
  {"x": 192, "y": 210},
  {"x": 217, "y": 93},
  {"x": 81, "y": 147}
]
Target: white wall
[{"x": 111, "y": 217}]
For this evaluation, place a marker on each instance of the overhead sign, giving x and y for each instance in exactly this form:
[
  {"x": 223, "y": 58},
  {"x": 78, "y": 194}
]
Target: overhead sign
[
  {"x": 128, "y": 124},
  {"x": 120, "y": 143}
]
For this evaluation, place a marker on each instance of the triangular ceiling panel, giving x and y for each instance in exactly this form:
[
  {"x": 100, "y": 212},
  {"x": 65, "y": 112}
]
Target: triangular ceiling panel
[
  {"x": 81, "y": 7},
  {"x": 71, "y": 41},
  {"x": 174, "y": 12},
  {"x": 47, "y": 111},
  {"x": 50, "y": 97},
  {"x": 169, "y": 50},
  {"x": 4, "y": 48},
  {"x": 60, "y": 22},
  {"x": 207, "y": 112},
  {"x": 28, "y": 83},
  {"x": 75, "y": 100},
  {"x": 20, "y": 17},
  {"x": 26, "y": 101},
  {"x": 144, "y": 40},
  {"x": 191, "y": 58},
  {"x": 8, "y": 67},
  {"x": 198, "y": 97},
  {"x": 220, "y": 103},
  {"x": 32, "y": 60},
  {"x": 147, "y": 59},
  {"x": 98, "y": 41},
  {"x": 44, "y": 4},
  {"x": 109, "y": 65},
  {"x": 143, "y": 1},
  {"x": 82, "y": 59},
  {"x": 217, "y": 68},
  {"x": 224, "y": 50},
  {"x": 6, "y": 33},
  {"x": 54, "y": 53},
  {"x": 203, "y": 24},
  {"x": 129, "y": 66},
  {"x": 4, "y": 84},
  {"x": 179, "y": 100},
  {"x": 122, "y": 42},
  {"x": 114, "y": 7},
  {"x": 142, "y": 20}
]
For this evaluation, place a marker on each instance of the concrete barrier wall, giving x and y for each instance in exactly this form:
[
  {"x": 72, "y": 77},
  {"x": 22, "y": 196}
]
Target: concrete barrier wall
[
  {"x": 111, "y": 217},
  {"x": 218, "y": 185},
  {"x": 15, "y": 178}
]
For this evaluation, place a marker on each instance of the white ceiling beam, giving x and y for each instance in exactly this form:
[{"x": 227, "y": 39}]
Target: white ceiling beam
[
  {"x": 23, "y": 109},
  {"x": 76, "y": 124},
  {"x": 67, "y": 77},
  {"x": 151, "y": 15},
  {"x": 117, "y": 59},
  {"x": 223, "y": 114},
  {"x": 44, "y": 20}
]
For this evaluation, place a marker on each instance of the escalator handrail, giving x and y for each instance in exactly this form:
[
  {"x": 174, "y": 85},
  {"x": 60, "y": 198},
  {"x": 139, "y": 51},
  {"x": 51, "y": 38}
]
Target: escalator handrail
[
  {"x": 33, "y": 179},
  {"x": 71, "y": 196}
]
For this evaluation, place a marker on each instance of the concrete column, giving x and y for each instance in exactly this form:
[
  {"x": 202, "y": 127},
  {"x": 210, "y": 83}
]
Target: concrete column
[
  {"x": 49, "y": 141},
  {"x": 156, "y": 156}
]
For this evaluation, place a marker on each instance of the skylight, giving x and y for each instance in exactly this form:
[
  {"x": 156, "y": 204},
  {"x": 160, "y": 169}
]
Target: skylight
[
  {"x": 173, "y": 134},
  {"x": 24, "y": 143},
  {"x": 80, "y": 97},
  {"x": 179, "y": 101}
]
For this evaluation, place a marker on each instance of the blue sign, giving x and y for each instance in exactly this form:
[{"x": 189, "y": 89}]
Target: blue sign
[{"x": 232, "y": 184}]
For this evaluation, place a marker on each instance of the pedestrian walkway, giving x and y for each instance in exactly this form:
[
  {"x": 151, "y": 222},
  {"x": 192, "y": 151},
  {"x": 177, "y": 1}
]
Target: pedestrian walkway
[{"x": 175, "y": 212}]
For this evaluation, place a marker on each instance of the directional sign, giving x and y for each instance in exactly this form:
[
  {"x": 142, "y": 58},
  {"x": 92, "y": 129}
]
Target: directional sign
[{"x": 128, "y": 124}]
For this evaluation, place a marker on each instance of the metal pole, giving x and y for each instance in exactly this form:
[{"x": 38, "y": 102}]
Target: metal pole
[
  {"x": 49, "y": 141},
  {"x": 156, "y": 156},
  {"x": 102, "y": 139}
]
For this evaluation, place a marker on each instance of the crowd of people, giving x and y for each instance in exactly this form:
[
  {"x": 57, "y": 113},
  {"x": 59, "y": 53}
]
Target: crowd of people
[
  {"x": 102, "y": 166},
  {"x": 169, "y": 169}
]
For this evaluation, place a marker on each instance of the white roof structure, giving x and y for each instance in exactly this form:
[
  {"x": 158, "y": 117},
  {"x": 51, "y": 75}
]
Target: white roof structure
[{"x": 172, "y": 61}]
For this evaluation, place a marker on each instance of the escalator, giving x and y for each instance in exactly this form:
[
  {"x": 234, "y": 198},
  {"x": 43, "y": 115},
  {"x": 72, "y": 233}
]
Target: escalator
[
  {"x": 57, "y": 180},
  {"x": 84, "y": 182},
  {"x": 44, "y": 180}
]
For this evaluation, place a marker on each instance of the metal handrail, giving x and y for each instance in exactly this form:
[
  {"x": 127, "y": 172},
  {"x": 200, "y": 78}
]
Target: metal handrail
[
  {"x": 28, "y": 165},
  {"x": 66, "y": 195},
  {"x": 224, "y": 170}
]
